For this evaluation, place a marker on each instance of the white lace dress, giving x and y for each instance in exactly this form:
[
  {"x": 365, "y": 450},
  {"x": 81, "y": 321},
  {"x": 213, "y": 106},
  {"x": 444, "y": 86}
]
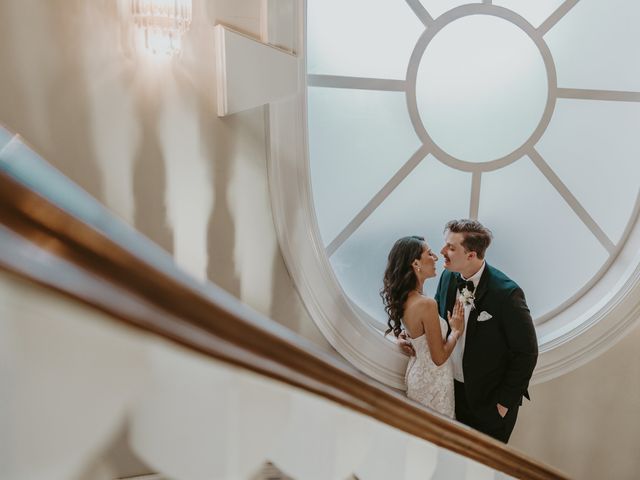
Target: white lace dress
[{"x": 427, "y": 383}]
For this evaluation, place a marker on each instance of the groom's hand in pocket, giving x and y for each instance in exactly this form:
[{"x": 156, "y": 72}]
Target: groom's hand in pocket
[{"x": 404, "y": 344}]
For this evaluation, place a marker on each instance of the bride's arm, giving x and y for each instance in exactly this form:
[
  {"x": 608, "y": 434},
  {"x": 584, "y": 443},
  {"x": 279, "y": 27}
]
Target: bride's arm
[{"x": 440, "y": 348}]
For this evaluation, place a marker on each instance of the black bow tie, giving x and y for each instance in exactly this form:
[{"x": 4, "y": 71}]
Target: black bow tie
[{"x": 468, "y": 284}]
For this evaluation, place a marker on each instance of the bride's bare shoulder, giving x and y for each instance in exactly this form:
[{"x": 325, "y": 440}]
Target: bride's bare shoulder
[{"x": 420, "y": 303}]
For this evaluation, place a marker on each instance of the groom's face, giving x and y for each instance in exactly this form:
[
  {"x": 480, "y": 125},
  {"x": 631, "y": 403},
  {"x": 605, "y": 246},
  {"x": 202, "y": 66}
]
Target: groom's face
[{"x": 456, "y": 258}]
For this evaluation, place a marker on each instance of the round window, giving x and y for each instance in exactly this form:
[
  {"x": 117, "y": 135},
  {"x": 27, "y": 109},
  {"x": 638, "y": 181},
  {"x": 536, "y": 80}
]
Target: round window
[{"x": 518, "y": 115}]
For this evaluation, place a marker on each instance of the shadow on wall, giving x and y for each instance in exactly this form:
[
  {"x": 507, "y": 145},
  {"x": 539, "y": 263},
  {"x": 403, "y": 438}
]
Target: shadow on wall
[
  {"x": 118, "y": 460},
  {"x": 48, "y": 99},
  {"x": 42, "y": 97},
  {"x": 150, "y": 178},
  {"x": 221, "y": 229}
]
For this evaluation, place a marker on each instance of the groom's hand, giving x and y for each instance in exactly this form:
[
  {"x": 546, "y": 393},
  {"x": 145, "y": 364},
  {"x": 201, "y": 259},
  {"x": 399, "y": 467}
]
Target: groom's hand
[
  {"x": 404, "y": 344},
  {"x": 502, "y": 411}
]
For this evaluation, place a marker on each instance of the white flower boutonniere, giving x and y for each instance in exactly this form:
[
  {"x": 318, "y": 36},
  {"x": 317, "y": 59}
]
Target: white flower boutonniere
[{"x": 468, "y": 297}]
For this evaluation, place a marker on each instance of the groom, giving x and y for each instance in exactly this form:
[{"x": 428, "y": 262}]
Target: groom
[{"x": 494, "y": 360}]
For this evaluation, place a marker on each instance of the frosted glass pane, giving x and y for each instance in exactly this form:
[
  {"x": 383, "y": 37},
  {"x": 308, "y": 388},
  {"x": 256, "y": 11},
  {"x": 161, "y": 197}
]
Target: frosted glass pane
[
  {"x": 537, "y": 236},
  {"x": 421, "y": 205},
  {"x": 438, "y": 7},
  {"x": 481, "y": 79},
  {"x": 358, "y": 139},
  {"x": 535, "y": 12},
  {"x": 595, "y": 150},
  {"x": 361, "y": 38},
  {"x": 595, "y": 46}
]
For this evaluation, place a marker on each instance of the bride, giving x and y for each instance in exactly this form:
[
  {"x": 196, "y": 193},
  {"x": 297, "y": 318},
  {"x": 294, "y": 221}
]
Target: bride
[{"x": 429, "y": 375}]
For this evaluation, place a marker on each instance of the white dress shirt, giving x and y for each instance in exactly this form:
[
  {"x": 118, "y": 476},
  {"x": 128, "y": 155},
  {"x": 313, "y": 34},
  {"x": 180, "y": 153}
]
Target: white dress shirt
[{"x": 458, "y": 350}]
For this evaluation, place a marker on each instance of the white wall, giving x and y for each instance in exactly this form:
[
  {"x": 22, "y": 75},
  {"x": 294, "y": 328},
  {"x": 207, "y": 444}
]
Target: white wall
[
  {"x": 144, "y": 139},
  {"x": 587, "y": 422}
]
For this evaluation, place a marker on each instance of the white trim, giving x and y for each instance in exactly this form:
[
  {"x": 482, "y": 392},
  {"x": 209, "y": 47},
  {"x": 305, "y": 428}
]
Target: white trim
[
  {"x": 360, "y": 83},
  {"x": 605, "y": 95},
  {"x": 251, "y": 73},
  {"x": 556, "y": 16},
  {"x": 221, "y": 71},
  {"x": 149, "y": 476}
]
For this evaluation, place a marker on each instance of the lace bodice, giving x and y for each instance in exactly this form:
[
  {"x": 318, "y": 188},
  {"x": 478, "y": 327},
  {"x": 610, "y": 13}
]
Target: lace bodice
[{"x": 427, "y": 383}]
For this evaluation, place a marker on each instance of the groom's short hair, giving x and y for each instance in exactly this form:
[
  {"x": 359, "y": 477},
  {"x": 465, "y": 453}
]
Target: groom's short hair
[{"x": 477, "y": 237}]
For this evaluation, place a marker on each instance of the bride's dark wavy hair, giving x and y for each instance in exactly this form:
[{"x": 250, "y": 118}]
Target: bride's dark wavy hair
[{"x": 400, "y": 279}]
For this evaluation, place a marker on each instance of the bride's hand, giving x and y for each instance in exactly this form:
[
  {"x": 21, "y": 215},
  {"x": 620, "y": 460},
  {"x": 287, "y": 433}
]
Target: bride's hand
[
  {"x": 456, "y": 321},
  {"x": 405, "y": 344}
]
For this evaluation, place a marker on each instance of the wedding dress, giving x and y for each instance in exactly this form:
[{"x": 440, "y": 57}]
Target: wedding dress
[{"x": 427, "y": 383}]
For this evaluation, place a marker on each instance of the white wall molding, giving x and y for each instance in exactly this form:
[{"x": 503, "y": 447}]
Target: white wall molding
[
  {"x": 250, "y": 73},
  {"x": 302, "y": 248},
  {"x": 305, "y": 256}
]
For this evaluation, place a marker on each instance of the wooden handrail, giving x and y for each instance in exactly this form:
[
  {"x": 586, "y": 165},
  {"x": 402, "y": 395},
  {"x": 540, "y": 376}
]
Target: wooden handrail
[{"x": 88, "y": 263}]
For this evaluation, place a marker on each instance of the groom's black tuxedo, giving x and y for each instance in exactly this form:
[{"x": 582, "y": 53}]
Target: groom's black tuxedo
[{"x": 500, "y": 352}]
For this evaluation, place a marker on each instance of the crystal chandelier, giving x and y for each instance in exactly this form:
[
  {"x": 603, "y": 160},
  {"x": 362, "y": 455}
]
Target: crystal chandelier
[{"x": 160, "y": 25}]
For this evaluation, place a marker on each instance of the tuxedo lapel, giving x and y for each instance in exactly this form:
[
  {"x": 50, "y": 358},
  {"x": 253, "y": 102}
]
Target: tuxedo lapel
[{"x": 483, "y": 284}]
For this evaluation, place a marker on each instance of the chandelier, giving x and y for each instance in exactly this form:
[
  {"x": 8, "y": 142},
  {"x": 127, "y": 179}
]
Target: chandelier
[{"x": 160, "y": 25}]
